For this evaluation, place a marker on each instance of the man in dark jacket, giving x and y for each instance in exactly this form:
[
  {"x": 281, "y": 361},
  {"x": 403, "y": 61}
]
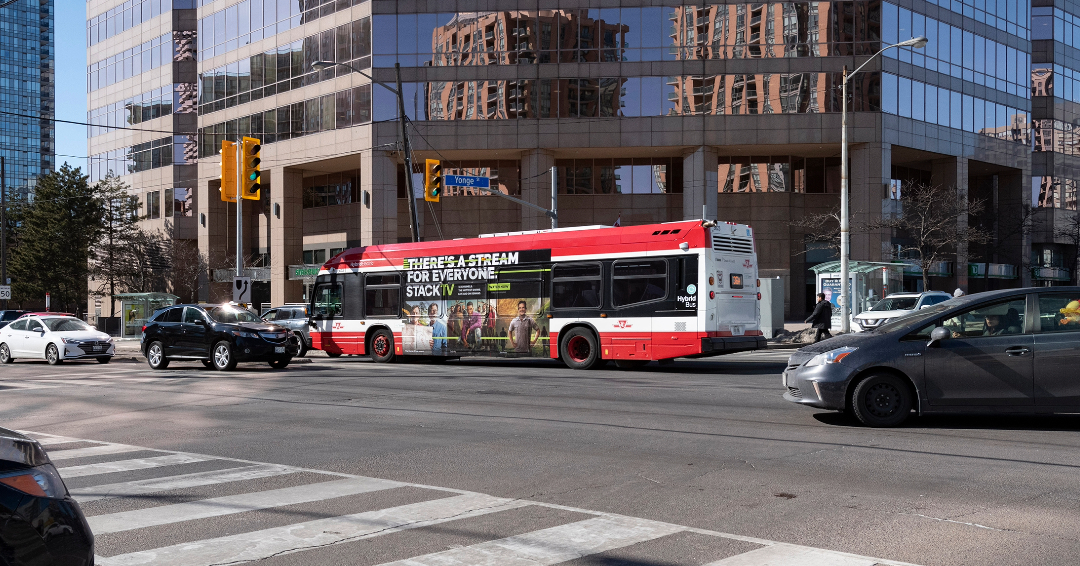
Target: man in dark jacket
[{"x": 821, "y": 319}]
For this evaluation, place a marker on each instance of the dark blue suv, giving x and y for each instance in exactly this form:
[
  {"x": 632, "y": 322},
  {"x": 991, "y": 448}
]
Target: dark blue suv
[{"x": 219, "y": 336}]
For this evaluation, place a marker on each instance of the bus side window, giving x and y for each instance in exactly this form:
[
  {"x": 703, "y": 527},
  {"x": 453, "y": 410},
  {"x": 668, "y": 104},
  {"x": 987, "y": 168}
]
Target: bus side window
[
  {"x": 382, "y": 295},
  {"x": 576, "y": 285},
  {"x": 327, "y": 299}
]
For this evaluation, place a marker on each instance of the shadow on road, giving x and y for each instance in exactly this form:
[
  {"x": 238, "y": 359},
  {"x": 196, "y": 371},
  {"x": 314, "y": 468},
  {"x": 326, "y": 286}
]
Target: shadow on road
[{"x": 968, "y": 422}]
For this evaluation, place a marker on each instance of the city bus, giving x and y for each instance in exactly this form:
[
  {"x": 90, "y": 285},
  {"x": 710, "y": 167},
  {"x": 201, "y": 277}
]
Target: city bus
[{"x": 584, "y": 295}]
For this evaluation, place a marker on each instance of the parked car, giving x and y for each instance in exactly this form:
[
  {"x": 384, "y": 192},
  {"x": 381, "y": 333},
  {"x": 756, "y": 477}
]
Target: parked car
[
  {"x": 219, "y": 336},
  {"x": 42, "y": 525},
  {"x": 295, "y": 318},
  {"x": 54, "y": 338},
  {"x": 7, "y": 316},
  {"x": 895, "y": 306},
  {"x": 1011, "y": 351}
]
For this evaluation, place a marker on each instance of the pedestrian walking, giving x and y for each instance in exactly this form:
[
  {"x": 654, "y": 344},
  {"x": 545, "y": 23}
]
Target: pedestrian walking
[{"x": 821, "y": 319}]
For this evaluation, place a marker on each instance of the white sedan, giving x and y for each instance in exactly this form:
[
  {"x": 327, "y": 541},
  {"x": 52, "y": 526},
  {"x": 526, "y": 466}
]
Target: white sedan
[{"x": 53, "y": 338}]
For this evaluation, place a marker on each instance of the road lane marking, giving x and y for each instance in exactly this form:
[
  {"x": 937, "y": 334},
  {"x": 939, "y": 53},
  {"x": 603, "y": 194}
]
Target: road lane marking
[
  {"x": 552, "y": 545},
  {"x": 53, "y": 440},
  {"x": 259, "y": 545},
  {"x": 105, "y": 450},
  {"x": 131, "y": 465},
  {"x": 213, "y": 477},
  {"x": 793, "y": 555},
  {"x": 228, "y": 505}
]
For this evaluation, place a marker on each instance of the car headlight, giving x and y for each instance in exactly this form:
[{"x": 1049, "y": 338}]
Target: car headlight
[
  {"x": 244, "y": 334},
  {"x": 71, "y": 341},
  {"x": 830, "y": 357}
]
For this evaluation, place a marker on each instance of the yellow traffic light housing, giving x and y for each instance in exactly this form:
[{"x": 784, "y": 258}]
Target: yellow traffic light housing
[
  {"x": 251, "y": 174},
  {"x": 433, "y": 180},
  {"x": 228, "y": 171}
]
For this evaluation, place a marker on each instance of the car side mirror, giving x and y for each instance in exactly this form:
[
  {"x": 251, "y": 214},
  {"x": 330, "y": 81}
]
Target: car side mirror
[{"x": 938, "y": 334}]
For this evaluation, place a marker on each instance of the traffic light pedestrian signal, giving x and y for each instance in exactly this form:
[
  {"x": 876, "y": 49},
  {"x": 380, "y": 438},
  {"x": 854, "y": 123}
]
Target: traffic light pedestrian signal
[
  {"x": 251, "y": 174},
  {"x": 228, "y": 171},
  {"x": 433, "y": 180}
]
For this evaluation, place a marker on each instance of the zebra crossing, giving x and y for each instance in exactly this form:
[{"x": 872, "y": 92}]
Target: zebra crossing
[{"x": 141, "y": 505}]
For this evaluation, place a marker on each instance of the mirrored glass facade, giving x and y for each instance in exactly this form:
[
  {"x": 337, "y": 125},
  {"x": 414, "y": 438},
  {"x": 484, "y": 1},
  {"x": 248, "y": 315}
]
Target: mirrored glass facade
[
  {"x": 1055, "y": 83},
  {"x": 27, "y": 93}
]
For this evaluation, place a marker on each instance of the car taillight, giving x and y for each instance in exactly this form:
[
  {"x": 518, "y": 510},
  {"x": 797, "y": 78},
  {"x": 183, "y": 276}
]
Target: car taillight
[{"x": 144, "y": 328}]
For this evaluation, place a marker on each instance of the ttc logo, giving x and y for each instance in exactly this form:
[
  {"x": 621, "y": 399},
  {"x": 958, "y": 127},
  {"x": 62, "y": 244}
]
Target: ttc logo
[
  {"x": 339, "y": 326},
  {"x": 623, "y": 324},
  {"x": 747, "y": 264}
]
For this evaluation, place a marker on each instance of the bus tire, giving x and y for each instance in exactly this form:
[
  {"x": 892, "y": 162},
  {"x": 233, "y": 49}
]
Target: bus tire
[
  {"x": 382, "y": 346},
  {"x": 580, "y": 349}
]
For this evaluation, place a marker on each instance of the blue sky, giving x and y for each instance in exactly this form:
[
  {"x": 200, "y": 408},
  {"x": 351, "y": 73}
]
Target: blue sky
[{"x": 71, "y": 80}]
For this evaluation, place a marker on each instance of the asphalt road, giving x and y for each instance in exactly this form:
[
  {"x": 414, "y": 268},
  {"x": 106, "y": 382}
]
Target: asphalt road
[{"x": 701, "y": 461}]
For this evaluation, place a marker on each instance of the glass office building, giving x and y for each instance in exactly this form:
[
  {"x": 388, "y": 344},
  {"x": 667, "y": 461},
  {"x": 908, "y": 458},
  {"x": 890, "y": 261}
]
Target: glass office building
[
  {"x": 649, "y": 114},
  {"x": 27, "y": 93}
]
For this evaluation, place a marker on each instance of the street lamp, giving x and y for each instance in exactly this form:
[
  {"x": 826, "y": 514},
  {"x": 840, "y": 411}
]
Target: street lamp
[
  {"x": 845, "y": 224},
  {"x": 405, "y": 146}
]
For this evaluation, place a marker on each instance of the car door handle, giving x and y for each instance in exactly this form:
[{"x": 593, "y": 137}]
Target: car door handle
[{"x": 1018, "y": 351}]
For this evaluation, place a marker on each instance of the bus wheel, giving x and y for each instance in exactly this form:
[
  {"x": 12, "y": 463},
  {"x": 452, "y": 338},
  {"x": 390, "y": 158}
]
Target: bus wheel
[
  {"x": 382, "y": 346},
  {"x": 579, "y": 349}
]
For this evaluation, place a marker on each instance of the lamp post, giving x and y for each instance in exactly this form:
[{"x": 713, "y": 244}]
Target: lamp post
[
  {"x": 405, "y": 146},
  {"x": 845, "y": 223}
]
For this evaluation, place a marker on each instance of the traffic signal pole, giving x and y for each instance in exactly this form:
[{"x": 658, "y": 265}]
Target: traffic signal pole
[
  {"x": 408, "y": 156},
  {"x": 239, "y": 207}
]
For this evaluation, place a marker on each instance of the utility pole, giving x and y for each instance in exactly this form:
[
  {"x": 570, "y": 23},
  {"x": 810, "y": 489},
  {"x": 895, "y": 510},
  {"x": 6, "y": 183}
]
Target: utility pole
[
  {"x": 554, "y": 199},
  {"x": 408, "y": 156},
  {"x": 3, "y": 226}
]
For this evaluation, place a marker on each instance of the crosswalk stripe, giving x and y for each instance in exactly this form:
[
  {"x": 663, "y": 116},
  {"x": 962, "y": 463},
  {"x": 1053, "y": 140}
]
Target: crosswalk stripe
[
  {"x": 130, "y": 465},
  {"x": 213, "y": 477},
  {"x": 218, "y": 506},
  {"x": 52, "y": 440},
  {"x": 550, "y": 546},
  {"x": 259, "y": 545},
  {"x": 105, "y": 450},
  {"x": 792, "y": 555}
]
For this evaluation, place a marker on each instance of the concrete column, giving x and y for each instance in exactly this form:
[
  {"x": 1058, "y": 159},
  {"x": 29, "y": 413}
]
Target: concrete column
[
  {"x": 286, "y": 233},
  {"x": 700, "y": 183},
  {"x": 378, "y": 201},
  {"x": 215, "y": 240},
  {"x": 953, "y": 172},
  {"x": 871, "y": 171},
  {"x": 536, "y": 188},
  {"x": 1014, "y": 193}
]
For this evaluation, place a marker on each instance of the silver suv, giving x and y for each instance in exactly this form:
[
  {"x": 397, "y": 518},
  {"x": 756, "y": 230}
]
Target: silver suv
[{"x": 295, "y": 318}]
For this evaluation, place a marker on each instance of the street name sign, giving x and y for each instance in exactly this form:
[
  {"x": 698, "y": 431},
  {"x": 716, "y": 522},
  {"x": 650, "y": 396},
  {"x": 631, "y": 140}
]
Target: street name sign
[{"x": 466, "y": 181}]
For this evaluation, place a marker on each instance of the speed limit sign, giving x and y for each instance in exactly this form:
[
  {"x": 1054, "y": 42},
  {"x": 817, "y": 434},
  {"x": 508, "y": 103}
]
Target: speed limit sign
[{"x": 5, "y": 292}]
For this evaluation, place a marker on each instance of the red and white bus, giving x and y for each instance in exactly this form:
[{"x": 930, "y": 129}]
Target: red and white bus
[{"x": 586, "y": 295}]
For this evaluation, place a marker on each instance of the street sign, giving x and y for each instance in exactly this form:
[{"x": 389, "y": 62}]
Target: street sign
[
  {"x": 5, "y": 292},
  {"x": 241, "y": 290},
  {"x": 48, "y": 301},
  {"x": 466, "y": 181}
]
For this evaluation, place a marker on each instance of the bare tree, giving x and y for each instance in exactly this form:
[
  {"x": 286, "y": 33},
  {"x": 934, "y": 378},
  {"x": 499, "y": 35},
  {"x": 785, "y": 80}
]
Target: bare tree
[
  {"x": 824, "y": 228},
  {"x": 1070, "y": 233},
  {"x": 931, "y": 219},
  {"x": 186, "y": 265}
]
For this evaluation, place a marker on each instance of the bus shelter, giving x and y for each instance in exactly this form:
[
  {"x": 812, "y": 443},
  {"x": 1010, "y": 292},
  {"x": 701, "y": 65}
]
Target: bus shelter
[
  {"x": 137, "y": 308},
  {"x": 870, "y": 282}
]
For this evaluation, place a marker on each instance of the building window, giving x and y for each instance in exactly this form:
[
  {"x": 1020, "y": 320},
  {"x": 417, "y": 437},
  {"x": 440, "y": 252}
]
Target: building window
[
  {"x": 651, "y": 175},
  {"x": 331, "y": 190},
  {"x": 153, "y": 205},
  {"x": 314, "y": 257}
]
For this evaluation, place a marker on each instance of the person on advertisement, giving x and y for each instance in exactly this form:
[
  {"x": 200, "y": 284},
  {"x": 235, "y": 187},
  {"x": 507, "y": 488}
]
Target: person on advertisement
[
  {"x": 470, "y": 327},
  {"x": 521, "y": 329},
  {"x": 439, "y": 345}
]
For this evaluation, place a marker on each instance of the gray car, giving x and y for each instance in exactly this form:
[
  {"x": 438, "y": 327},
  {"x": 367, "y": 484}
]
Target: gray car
[
  {"x": 1012, "y": 351},
  {"x": 295, "y": 318}
]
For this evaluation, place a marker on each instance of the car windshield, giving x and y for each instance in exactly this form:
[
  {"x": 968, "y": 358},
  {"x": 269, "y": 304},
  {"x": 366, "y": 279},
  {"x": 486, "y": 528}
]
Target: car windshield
[
  {"x": 918, "y": 317},
  {"x": 895, "y": 304},
  {"x": 10, "y": 315},
  {"x": 66, "y": 325},
  {"x": 231, "y": 315}
]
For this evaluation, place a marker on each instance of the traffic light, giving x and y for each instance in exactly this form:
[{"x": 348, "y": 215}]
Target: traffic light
[
  {"x": 250, "y": 174},
  {"x": 228, "y": 171},
  {"x": 433, "y": 180}
]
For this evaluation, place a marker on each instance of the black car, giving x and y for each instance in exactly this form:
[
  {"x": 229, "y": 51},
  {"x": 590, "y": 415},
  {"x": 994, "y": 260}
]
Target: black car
[
  {"x": 40, "y": 524},
  {"x": 6, "y": 317},
  {"x": 219, "y": 336},
  {"x": 1011, "y": 351}
]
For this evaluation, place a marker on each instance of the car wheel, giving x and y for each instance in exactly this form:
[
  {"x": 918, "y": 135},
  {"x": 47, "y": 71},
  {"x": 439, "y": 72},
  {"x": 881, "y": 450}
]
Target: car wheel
[
  {"x": 334, "y": 354},
  {"x": 207, "y": 364},
  {"x": 52, "y": 355},
  {"x": 882, "y": 400},
  {"x": 630, "y": 364},
  {"x": 5, "y": 354},
  {"x": 578, "y": 349},
  {"x": 223, "y": 356},
  {"x": 155, "y": 356},
  {"x": 303, "y": 345},
  {"x": 382, "y": 346},
  {"x": 104, "y": 359},
  {"x": 279, "y": 364}
]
